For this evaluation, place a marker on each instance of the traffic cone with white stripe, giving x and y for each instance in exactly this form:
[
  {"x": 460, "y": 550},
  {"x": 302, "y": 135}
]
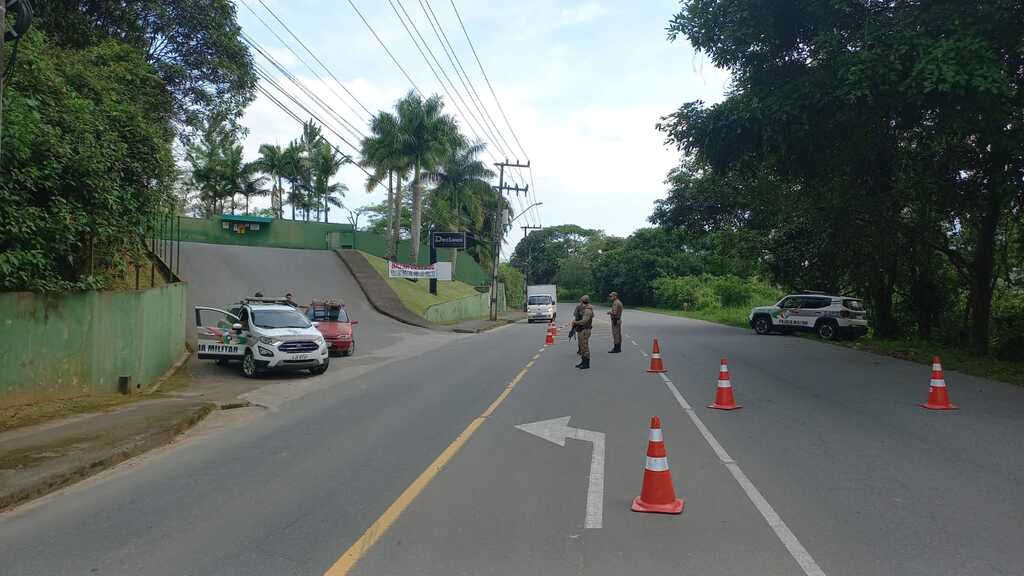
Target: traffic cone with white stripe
[
  {"x": 724, "y": 400},
  {"x": 550, "y": 339},
  {"x": 938, "y": 397},
  {"x": 553, "y": 328},
  {"x": 656, "y": 365},
  {"x": 657, "y": 493}
]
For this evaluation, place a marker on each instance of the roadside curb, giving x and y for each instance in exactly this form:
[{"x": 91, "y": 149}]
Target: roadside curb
[
  {"x": 73, "y": 475},
  {"x": 379, "y": 294}
]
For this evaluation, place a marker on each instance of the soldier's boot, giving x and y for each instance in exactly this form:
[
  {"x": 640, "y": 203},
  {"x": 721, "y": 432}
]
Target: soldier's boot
[
  {"x": 585, "y": 364},
  {"x": 582, "y": 361},
  {"x": 616, "y": 349}
]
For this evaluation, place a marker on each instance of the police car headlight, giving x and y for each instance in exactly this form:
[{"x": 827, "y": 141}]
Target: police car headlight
[
  {"x": 268, "y": 341},
  {"x": 264, "y": 351}
]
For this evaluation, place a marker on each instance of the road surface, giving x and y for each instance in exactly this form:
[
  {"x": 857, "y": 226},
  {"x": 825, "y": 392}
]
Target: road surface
[{"x": 829, "y": 468}]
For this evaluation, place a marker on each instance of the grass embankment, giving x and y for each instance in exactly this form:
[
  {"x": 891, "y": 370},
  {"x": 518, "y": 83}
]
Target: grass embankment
[
  {"x": 914, "y": 350},
  {"x": 416, "y": 295}
]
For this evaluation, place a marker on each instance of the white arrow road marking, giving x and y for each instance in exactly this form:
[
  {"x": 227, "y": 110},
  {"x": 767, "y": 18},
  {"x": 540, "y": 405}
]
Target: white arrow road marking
[{"x": 557, "y": 430}]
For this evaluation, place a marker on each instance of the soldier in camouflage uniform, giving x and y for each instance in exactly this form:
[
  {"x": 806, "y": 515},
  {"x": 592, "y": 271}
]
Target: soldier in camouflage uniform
[
  {"x": 583, "y": 326},
  {"x": 616, "y": 317}
]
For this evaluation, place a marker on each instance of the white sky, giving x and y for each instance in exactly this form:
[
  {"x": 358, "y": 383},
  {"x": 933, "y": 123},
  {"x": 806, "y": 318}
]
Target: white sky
[{"x": 582, "y": 82}]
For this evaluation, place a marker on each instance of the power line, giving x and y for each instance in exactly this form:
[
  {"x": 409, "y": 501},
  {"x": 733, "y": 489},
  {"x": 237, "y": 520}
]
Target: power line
[
  {"x": 385, "y": 47},
  {"x": 306, "y": 64},
  {"x": 486, "y": 78},
  {"x": 453, "y": 59},
  {"x": 461, "y": 71},
  {"x": 310, "y": 52},
  {"x": 302, "y": 86},
  {"x": 429, "y": 65},
  {"x": 263, "y": 74}
]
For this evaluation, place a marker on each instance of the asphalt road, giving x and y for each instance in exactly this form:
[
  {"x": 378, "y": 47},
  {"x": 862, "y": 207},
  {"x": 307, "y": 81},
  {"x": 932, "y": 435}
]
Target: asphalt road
[{"x": 845, "y": 465}]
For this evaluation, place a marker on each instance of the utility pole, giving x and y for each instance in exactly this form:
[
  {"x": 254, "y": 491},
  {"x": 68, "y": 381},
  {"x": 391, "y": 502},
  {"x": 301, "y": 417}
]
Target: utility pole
[
  {"x": 529, "y": 261},
  {"x": 499, "y": 227}
]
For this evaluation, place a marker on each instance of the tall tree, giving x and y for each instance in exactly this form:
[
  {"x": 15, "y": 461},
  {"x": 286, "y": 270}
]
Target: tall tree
[
  {"x": 427, "y": 137},
  {"x": 195, "y": 47},
  {"x": 271, "y": 162},
  {"x": 381, "y": 151},
  {"x": 461, "y": 190},
  {"x": 294, "y": 171},
  {"x": 325, "y": 164}
]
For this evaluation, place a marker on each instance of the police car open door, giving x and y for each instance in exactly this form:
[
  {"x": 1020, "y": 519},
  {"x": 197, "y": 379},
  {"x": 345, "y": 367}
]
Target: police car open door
[{"x": 216, "y": 337}]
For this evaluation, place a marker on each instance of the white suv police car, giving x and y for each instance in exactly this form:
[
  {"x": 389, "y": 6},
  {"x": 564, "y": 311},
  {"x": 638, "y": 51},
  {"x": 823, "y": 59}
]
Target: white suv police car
[
  {"x": 264, "y": 333},
  {"x": 831, "y": 317}
]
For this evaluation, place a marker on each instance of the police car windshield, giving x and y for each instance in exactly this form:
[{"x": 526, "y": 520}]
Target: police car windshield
[
  {"x": 540, "y": 300},
  {"x": 279, "y": 319},
  {"x": 327, "y": 314}
]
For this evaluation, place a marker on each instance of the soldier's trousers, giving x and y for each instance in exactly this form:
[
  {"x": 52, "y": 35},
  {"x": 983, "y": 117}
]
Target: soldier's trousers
[
  {"x": 584, "y": 337},
  {"x": 616, "y": 333}
]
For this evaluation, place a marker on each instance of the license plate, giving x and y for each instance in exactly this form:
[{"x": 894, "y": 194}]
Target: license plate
[{"x": 301, "y": 356}]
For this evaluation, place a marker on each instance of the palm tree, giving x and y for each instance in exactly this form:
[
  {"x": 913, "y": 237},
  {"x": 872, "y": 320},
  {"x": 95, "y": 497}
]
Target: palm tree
[
  {"x": 271, "y": 162},
  {"x": 382, "y": 152},
  {"x": 427, "y": 137},
  {"x": 325, "y": 164},
  {"x": 462, "y": 188},
  {"x": 293, "y": 171}
]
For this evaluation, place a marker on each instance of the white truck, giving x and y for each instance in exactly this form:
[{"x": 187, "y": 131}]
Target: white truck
[{"x": 541, "y": 303}]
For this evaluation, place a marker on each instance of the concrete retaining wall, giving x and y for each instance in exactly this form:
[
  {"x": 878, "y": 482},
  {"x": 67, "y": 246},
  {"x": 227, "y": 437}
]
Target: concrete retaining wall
[
  {"x": 319, "y": 236},
  {"x": 469, "y": 308},
  {"x": 74, "y": 344}
]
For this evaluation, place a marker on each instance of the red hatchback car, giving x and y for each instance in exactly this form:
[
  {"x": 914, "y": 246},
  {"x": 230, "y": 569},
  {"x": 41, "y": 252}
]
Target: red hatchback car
[{"x": 333, "y": 322}]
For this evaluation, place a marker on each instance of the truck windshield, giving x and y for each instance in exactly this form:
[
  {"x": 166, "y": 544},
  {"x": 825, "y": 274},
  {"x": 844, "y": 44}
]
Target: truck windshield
[
  {"x": 541, "y": 300},
  {"x": 279, "y": 319}
]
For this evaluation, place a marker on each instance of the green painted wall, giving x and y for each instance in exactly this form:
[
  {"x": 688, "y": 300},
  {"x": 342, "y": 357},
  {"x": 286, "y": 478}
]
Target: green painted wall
[
  {"x": 277, "y": 234},
  {"x": 314, "y": 236},
  {"x": 469, "y": 308},
  {"x": 75, "y": 344}
]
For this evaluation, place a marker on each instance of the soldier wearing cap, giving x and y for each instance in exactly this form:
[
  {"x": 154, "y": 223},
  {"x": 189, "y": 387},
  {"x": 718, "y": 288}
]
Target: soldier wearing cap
[
  {"x": 582, "y": 327},
  {"x": 616, "y": 317}
]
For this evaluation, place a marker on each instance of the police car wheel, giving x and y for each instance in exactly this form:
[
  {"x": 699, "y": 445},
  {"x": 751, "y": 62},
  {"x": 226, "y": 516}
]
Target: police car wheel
[
  {"x": 828, "y": 330},
  {"x": 762, "y": 325},
  {"x": 249, "y": 365},
  {"x": 321, "y": 368}
]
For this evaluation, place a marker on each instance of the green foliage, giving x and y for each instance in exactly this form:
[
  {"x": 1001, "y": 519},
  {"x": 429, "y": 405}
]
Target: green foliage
[
  {"x": 575, "y": 275},
  {"x": 86, "y": 161},
  {"x": 515, "y": 289},
  {"x": 869, "y": 147},
  {"x": 706, "y": 291},
  {"x": 193, "y": 46},
  {"x": 540, "y": 253}
]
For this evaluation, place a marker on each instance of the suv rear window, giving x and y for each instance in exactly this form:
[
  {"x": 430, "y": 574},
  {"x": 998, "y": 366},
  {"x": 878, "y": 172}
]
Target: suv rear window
[
  {"x": 540, "y": 300},
  {"x": 853, "y": 304},
  {"x": 328, "y": 314}
]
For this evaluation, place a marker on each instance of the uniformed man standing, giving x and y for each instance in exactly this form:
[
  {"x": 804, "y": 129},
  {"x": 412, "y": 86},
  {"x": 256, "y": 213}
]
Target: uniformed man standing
[
  {"x": 583, "y": 326},
  {"x": 577, "y": 315},
  {"x": 616, "y": 314}
]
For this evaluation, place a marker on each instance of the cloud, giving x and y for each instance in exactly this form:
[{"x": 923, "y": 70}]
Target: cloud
[{"x": 582, "y": 13}]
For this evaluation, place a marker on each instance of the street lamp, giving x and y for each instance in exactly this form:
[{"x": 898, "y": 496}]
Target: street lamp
[{"x": 525, "y": 211}]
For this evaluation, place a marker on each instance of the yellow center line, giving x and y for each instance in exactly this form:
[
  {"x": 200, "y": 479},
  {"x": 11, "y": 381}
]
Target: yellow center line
[{"x": 360, "y": 547}]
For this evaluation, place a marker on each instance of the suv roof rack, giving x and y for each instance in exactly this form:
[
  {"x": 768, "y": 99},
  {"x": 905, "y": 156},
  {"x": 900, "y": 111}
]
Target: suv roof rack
[
  {"x": 266, "y": 300},
  {"x": 817, "y": 292}
]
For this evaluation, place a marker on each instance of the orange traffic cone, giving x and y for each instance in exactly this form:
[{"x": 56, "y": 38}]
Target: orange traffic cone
[
  {"x": 938, "y": 398},
  {"x": 656, "y": 365},
  {"x": 657, "y": 494},
  {"x": 724, "y": 399},
  {"x": 550, "y": 340}
]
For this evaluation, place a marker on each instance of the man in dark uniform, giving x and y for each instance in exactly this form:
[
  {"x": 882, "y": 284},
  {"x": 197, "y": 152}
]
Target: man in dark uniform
[
  {"x": 616, "y": 317},
  {"x": 583, "y": 326}
]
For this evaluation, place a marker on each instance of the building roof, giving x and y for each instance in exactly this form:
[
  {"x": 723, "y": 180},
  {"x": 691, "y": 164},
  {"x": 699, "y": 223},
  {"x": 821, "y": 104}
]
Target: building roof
[{"x": 246, "y": 218}]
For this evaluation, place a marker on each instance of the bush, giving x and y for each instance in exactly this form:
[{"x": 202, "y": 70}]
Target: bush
[
  {"x": 707, "y": 291},
  {"x": 1007, "y": 328}
]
